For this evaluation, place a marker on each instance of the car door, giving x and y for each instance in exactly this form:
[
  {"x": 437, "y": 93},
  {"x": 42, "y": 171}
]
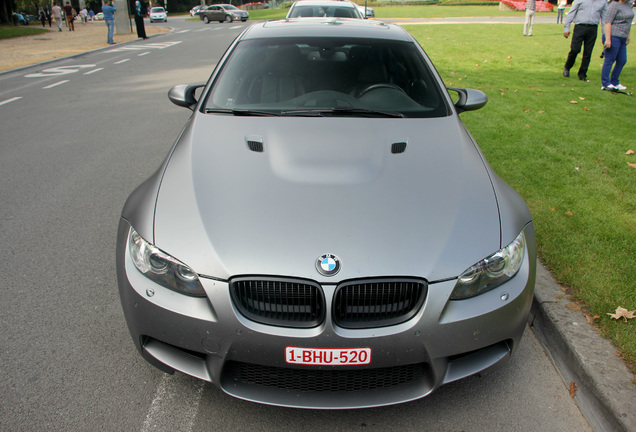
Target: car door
[{"x": 218, "y": 14}]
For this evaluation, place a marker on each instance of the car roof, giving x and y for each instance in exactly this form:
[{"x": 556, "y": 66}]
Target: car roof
[{"x": 326, "y": 27}]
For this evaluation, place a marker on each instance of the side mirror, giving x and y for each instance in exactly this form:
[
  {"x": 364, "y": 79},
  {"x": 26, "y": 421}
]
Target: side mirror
[
  {"x": 469, "y": 99},
  {"x": 184, "y": 95}
]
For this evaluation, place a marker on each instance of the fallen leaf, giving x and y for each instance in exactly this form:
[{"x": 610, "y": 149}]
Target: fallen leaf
[
  {"x": 577, "y": 169},
  {"x": 541, "y": 112},
  {"x": 569, "y": 213},
  {"x": 581, "y": 98},
  {"x": 573, "y": 389},
  {"x": 586, "y": 109},
  {"x": 574, "y": 102},
  {"x": 631, "y": 165},
  {"x": 621, "y": 312},
  {"x": 629, "y": 152},
  {"x": 527, "y": 126},
  {"x": 527, "y": 110},
  {"x": 553, "y": 209}
]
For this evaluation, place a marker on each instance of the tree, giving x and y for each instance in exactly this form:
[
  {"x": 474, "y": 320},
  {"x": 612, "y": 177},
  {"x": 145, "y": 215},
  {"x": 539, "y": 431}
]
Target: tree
[{"x": 6, "y": 11}]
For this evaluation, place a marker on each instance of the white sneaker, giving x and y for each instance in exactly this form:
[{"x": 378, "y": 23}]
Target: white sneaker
[
  {"x": 620, "y": 87},
  {"x": 609, "y": 87}
]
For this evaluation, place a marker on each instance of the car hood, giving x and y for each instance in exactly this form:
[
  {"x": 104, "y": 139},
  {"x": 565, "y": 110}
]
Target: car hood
[{"x": 326, "y": 186}]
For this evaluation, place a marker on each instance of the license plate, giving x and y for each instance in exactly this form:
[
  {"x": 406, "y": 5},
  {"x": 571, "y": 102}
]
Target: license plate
[{"x": 328, "y": 356}]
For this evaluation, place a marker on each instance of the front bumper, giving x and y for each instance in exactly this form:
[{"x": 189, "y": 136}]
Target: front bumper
[{"x": 209, "y": 338}]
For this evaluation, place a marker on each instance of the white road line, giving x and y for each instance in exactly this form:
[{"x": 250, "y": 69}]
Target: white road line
[
  {"x": 93, "y": 71},
  {"x": 175, "y": 405},
  {"x": 236, "y": 27},
  {"x": 55, "y": 85},
  {"x": 202, "y": 30},
  {"x": 182, "y": 31},
  {"x": 143, "y": 54},
  {"x": 10, "y": 100},
  {"x": 122, "y": 61},
  {"x": 144, "y": 47}
]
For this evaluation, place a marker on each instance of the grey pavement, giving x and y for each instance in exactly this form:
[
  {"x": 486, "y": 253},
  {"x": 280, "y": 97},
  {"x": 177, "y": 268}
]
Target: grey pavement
[{"x": 605, "y": 391}]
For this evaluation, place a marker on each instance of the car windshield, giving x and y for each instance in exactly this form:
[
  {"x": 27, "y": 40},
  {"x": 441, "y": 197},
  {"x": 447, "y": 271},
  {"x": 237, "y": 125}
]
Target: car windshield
[
  {"x": 156, "y": 10},
  {"x": 229, "y": 7},
  {"x": 326, "y": 77},
  {"x": 323, "y": 11}
]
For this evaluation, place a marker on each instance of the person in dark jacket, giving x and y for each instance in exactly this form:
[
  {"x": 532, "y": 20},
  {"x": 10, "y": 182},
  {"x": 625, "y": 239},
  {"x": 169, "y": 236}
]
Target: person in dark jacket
[{"x": 139, "y": 21}]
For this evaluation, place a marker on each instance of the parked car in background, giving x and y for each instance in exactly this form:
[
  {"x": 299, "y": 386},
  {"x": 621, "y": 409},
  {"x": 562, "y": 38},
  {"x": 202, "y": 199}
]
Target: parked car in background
[
  {"x": 158, "y": 14},
  {"x": 195, "y": 10},
  {"x": 326, "y": 233},
  {"x": 29, "y": 18},
  {"x": 366, "y": 12},
  {"x": 324, "y": 8},
  {"x": 223, "y": 13}
]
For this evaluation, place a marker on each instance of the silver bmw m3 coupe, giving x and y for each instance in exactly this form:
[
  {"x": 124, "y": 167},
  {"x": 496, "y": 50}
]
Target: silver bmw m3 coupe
[{"x": 325, "y": 232}]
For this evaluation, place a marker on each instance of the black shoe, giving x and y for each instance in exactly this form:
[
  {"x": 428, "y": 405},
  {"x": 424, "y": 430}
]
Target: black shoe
[
  {"x": 582, "y": 78},
  {"x": 602, "y": 54},
  {"x": 566, "y": 73}
]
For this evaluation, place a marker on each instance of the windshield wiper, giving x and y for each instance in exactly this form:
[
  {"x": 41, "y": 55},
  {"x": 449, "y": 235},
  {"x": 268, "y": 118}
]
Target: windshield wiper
[
  {"x": 343, "y": 112},
  {"x": 243, "y": 112}
]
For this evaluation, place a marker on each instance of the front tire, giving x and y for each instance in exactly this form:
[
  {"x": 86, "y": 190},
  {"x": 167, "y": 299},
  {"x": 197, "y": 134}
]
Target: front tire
[
  {"x": 206, "y": 20},
  {"x": 228, "y": 19}
]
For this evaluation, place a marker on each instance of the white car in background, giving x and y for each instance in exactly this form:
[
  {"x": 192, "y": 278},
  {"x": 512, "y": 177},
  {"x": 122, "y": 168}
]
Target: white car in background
[{"x": 158, "y": 14}]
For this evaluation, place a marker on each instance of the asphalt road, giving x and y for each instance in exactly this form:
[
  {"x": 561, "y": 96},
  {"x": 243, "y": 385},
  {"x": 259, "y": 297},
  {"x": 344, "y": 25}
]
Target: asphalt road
[{"x": 77, "y": 136}]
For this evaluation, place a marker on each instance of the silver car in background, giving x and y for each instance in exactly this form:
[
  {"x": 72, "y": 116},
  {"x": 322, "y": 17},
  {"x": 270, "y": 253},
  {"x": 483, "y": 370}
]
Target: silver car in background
[
  {"x": 223, "y": 13},
  {"x": 325, "y": 232}
]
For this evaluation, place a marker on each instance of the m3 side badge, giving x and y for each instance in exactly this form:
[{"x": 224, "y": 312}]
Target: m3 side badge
[{"x": 328, "y": 264}]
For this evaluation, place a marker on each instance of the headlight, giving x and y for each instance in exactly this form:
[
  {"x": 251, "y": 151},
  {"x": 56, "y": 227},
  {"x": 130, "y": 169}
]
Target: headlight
[
  {"x": 162, "y": 268},
  {"x": 491, "y": 272}
]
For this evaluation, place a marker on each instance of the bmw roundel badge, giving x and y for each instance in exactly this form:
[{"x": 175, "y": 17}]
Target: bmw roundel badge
[{"x": 328, "y": 264}]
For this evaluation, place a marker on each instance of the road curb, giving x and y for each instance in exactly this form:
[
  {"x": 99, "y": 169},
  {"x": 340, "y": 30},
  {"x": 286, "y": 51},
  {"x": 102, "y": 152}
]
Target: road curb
[{"x": 605, "y": 393}]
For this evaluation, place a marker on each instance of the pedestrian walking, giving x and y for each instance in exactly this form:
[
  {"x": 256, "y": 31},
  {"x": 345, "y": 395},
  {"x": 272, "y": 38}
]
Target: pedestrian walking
[
  {"x": 561, "y": 10},
  {"x": 47, "y": 12},
  {"x": 91, "y": 15},
  {"x": 109, "y": 17},
  {"x": 531, "y": 11},
  {"x": 70, "y": 16},
  {"x": 42, "y": 17},
  {"x": 83, "y": 15},
  {"x": 586, "y": 15},
  {"x": 139, "y": 21},
  {"x": 57, "y": 13},
  {"x": 618, "y": 23}
]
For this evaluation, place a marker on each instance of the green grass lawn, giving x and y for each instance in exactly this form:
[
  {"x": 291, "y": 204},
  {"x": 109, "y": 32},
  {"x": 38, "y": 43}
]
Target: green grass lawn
[
  {"x": 9, "y": 31},
  {"x": 562, "y": 144},
  {"x": 432, "y": 11}
]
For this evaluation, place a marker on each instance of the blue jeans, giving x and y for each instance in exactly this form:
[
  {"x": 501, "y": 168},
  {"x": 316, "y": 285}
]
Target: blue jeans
[
  {"x": 560, "y": 15},
  {"x": 617, "y": 53},
  {"x": 111, "y": 29}
]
